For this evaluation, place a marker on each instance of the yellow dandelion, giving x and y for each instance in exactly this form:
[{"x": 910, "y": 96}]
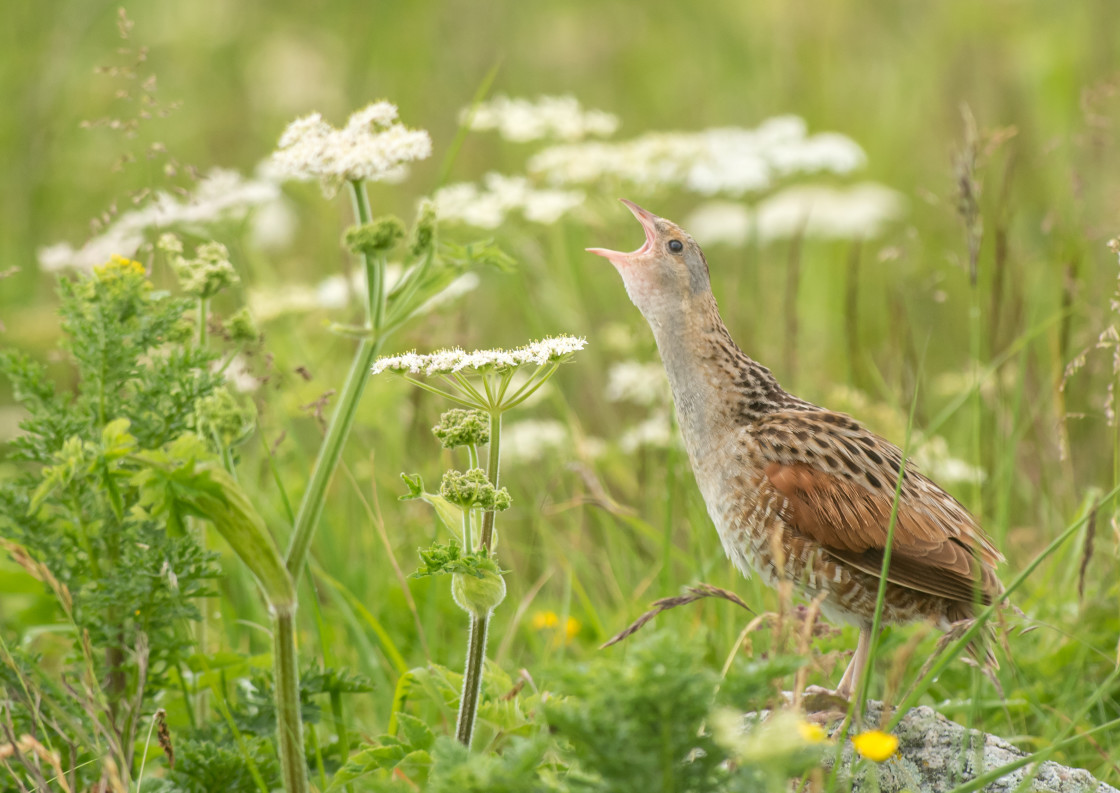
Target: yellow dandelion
[
  {"x": 875, "y": 745},
  {"x": 571, "y": 629},
  {"x": 811, "y": 733}
]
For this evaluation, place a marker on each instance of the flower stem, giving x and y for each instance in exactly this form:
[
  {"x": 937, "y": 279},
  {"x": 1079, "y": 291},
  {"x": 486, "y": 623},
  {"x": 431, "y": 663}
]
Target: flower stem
[
  {"x": 311, "y": 507},
  {"x": 289, "y": 727},
  {"x": 492, "y": 462},
  {"x": 375, "y": 268},
  {"x": 472, "y": 679},
  {"x": 480, "y": 625}
]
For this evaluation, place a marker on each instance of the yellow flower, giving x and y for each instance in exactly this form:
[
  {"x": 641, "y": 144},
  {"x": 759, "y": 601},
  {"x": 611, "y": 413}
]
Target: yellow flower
[
  {"x": 118, "y": 266},
  {"x": 550, "y": 621},
  {"x": 875, "y": 745},
  {"x": 544, "y": 619},
  {"x": 811, "y": 733}
]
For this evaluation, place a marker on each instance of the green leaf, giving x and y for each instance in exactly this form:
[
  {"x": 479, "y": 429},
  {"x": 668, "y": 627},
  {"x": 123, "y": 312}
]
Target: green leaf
[
  {"x": 415, "y": 732},
  {"x": 480, "y": 252},
  {"x": 448, "y": 558},
  {"x": 449, "y": 514},
  {"x": 172, "y": 483},
  {"x": 366, "y": 762},
  {"x": 116, "y": 440}
]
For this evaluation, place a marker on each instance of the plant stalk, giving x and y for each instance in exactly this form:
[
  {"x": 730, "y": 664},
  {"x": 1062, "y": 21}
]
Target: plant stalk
[
  {"x": 289, "y": 726},
  {"x": 472, "y": 679},
  {"x": 480, "y": 625},
  {"x": 311, "y": 506}
]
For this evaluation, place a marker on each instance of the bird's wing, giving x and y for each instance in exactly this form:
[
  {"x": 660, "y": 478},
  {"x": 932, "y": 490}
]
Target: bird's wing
[{"x": 838, "y": 481}]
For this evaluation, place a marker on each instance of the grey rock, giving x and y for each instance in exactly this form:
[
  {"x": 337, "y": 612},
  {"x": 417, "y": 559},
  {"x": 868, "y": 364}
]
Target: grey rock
[{"x": 936, "y": 755}]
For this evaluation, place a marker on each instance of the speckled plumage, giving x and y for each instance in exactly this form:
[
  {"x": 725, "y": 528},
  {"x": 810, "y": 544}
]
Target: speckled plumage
[{"x": 796, "y": 491}]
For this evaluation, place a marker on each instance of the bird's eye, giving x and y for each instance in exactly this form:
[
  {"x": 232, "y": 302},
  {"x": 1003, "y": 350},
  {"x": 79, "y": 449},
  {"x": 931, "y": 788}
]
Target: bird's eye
[{"x": 676, "y": 246}]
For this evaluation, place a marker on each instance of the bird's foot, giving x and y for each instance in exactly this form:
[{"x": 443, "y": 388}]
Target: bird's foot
[{"x": 821, "y": 700}]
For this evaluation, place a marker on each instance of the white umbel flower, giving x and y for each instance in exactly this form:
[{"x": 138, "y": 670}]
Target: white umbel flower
[
  {"x": 637, "y": 382},
  {"x": 372, "y": 146},
  {"x": 554, "y": 349},
  {"x": 220, "y": 195},
  {"x": 727, "y": 160},
  {"x": 486, "y": 206},
  {"x": 860, "y": 211},
  {"x": 558, "y": 117},
  {"x": 857, "y": 212}
]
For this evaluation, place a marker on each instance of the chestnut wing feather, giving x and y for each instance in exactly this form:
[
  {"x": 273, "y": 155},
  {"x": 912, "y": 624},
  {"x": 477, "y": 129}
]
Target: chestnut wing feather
[{"x": 937, "y": 548}]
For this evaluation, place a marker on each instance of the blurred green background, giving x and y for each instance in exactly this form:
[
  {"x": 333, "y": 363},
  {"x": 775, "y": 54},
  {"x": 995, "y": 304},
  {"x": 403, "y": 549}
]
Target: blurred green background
[{"x": 1041, "y": 79}]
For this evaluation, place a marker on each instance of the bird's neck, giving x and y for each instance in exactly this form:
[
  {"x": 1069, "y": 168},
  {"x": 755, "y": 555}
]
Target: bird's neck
[{"x": 716, "y": 386}]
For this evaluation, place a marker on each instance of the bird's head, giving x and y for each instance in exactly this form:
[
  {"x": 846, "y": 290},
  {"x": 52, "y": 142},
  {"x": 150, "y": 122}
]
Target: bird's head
[{"x": 668, "y": 273}]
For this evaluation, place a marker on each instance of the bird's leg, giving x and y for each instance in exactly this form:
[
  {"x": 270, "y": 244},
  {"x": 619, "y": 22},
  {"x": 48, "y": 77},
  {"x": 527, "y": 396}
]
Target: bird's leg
[{"x": 854, "y": 673}]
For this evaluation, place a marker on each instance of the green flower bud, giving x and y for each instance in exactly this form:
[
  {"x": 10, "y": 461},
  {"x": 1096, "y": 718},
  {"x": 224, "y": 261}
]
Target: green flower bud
[
  {"x": 220, "y": 418},
  {"x": 208, "y": 273},
  {"x": 473, "y": 489},
  {"x": 478, "y": 596},
  {"x": 376, "y": 237},
  {"x": 169, "y": 243},
  {"x": 242, "y": 329},
  {"x": 458, "y": 427},
  {"x": 424, "y": 231}
]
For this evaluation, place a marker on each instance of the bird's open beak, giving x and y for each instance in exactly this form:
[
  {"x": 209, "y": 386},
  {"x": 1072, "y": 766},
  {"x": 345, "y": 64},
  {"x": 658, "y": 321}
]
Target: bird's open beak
[{"x": 647, "y": 219}]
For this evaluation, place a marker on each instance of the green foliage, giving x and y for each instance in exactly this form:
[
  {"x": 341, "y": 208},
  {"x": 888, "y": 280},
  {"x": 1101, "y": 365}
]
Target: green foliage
[
  {"x": 74, "y": 506},
  {"x": 409, "y": 752},
  {"x": 635, "y": 724},
  {"x": 422, "y": 238},
  {"x": 224, "y": 420},
  {"x": 242, "y": 330},
  {"x": 448, "y": 558},
  {"x": 517, "y": 769},
  {"x": 482, "y": 252},
  {"x": 204, "y": 766},
  {"x": 450, "y": 515},
  {"x": 182, "y": 480},
  {"x": 125, "y": 578}
]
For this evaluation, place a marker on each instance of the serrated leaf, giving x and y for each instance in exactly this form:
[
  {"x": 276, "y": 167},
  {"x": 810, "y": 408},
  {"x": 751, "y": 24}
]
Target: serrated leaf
[
  {"x": 415, "y": 732},
  {"x": 361, "y": 764},
  {"x": 415, "y": 485}
]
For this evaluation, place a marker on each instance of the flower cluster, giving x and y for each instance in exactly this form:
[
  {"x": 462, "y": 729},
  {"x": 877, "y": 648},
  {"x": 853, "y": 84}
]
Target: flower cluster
[
  {"x": 207, "y": 274},
  {"x": 637, "y": 382},
  {"x": 458, "y": 427},
  {"x": 118, "y": 266},
  {"x": 487, "y": 205},
  {"x": 372, "y": 146},
  {"x": 857, "y": 212},
  {"x": 728, "y": 160},
  {"x": 220, "y": 195},
  {"x": 554, "y": 349},
  {"x": 522, "y": 120},
  {"x": 550, "y": 622},
  {"x": 473, "y": 489}
]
